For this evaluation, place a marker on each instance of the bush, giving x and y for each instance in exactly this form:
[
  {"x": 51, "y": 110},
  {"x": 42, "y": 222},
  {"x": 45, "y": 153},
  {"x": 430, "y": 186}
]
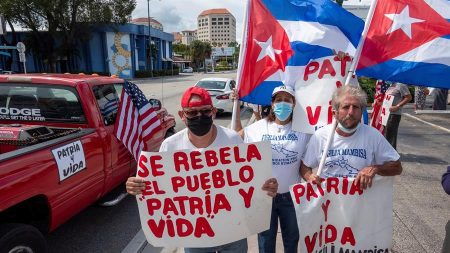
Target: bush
[
  {"x": 368, "y": 85},
  {"x": 222, "y": 68},
  {"x": 142, "y": 73}
]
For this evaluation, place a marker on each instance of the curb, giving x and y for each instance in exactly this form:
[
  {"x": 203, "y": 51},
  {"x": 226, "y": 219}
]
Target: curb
[{"x": 137, "y": 244}]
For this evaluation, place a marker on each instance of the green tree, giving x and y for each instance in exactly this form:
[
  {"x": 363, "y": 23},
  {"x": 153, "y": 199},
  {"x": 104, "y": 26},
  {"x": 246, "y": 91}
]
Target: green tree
[
  {"x": 154, "y": 51},
  {"x": 59, "y": 27},
  {"x": 182, "y": 49},
  {"x": 233, "y": 44},
  {"x": 200, "y": 51},
  {"x": 12, "y": 42},
  {"x": 237, "y": 49}
]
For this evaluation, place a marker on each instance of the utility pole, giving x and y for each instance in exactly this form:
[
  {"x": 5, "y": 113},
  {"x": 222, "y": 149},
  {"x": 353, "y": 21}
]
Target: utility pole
[{"x": 149, "y": 38}]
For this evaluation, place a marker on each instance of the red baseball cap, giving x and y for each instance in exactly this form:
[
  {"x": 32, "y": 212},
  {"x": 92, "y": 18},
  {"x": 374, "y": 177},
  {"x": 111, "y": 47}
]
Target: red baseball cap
[{"x": 205, "y": 98}]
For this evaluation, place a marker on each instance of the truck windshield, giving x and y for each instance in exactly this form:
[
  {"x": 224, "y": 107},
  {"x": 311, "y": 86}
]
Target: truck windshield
[{"x": 20, "y": 102}]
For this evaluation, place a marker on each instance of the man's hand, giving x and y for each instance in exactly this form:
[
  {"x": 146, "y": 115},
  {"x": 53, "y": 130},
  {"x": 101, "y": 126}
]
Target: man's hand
[
  {"x": 315, "y": 178},
  {"x": 394, "y": 108},
  {"x": 365, "y": 176},
  {"x": 271, "y": 186},
  {"x": 135, "y": 185},
  {"x": 234, "y": 95},
  {"x": 341, "y": 55}
]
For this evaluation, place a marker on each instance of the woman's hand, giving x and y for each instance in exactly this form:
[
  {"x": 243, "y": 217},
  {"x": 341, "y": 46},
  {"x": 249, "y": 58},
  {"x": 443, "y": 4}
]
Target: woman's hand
[
  {"x": 234, "y": 95},
  {"x": 271, "y": 186}
]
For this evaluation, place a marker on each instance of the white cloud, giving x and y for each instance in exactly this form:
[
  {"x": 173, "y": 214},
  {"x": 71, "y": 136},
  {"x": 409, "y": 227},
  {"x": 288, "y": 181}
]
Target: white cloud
[{"x": 178, "y": 15}]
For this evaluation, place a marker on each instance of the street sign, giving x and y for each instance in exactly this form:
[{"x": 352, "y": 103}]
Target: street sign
[
  {"x": 22, "y": 57},
  {"x": 222, "y": 51},
  {"x": 21, "y": 47}
]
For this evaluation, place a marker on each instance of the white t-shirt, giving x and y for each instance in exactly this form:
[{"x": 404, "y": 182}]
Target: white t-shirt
[
  {"x": 288, "y": 148},
  {"x": 348, "y": 155},
  {"x": 180, "y": 140}
]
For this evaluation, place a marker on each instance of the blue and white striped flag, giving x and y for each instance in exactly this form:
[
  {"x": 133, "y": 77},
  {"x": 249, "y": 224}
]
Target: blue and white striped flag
[{"x": 314, "y": 28}]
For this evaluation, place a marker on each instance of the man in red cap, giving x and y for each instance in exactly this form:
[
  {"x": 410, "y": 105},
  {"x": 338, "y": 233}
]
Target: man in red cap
[{"x": 197, "y": 112}]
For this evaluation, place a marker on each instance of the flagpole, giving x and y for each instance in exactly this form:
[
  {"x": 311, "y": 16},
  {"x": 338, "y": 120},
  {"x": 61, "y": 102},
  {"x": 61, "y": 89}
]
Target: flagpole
[
  {"x": 241, "y": 61},
  {"x": 347, "y": 81}
]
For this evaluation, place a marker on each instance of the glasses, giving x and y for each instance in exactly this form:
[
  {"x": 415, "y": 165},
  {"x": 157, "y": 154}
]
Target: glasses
[{"x": 194, "y": 113}]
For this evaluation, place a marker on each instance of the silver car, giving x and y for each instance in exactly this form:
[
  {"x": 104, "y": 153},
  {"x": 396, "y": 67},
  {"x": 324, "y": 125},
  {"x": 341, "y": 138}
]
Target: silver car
[
  {"x": 188, "y": 70},
  {"x": 220, "y": 90}
]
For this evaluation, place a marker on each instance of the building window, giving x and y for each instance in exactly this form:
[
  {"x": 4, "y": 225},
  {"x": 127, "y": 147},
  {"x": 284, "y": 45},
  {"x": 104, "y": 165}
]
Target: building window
[{"x": 213, "y": 19}]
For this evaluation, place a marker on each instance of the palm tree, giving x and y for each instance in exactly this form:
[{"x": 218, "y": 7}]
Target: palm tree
[{"x": 200, "y": 51}]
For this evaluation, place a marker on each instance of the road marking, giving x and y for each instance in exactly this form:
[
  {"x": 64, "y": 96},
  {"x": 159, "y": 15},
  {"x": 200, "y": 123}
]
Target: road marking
[
  {"x": 432, "y": 112},
  {"x": 428, "y": 123},
  {"x": 137, "y": 244}
]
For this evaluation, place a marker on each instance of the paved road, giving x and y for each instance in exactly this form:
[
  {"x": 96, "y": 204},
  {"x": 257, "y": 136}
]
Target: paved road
[{"x": 421, "y": 208}]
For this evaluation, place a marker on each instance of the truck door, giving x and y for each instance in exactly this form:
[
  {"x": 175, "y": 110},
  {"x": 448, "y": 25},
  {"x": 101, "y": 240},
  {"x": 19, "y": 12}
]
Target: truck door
[{"x": 117, "y": 156}]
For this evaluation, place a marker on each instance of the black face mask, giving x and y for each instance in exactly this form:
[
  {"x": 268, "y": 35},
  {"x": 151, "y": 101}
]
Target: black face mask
[{"x": 200, "y": 125}]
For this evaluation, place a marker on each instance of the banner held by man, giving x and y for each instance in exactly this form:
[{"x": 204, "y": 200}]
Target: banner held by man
[
  {"x": 337, "y": 215},
  {"x": 282, "y": 37},
  {"x": 195, "y": 198}
]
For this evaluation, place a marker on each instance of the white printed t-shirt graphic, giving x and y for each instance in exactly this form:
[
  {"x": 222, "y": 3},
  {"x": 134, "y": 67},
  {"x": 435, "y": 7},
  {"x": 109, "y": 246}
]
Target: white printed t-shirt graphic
[
  {"x": 288, "y": 148},
  {"x": 348, "y": 155}
]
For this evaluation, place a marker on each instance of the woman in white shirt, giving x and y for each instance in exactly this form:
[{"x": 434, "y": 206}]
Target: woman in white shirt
[{"x": 288, "y": 148}]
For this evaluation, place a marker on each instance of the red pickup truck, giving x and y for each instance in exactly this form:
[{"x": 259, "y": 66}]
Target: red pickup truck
[{"x": 58, "y": 153}]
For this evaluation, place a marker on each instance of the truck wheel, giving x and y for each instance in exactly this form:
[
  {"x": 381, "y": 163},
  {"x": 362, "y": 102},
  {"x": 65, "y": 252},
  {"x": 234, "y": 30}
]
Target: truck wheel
[{"x": 21, "y": 238}]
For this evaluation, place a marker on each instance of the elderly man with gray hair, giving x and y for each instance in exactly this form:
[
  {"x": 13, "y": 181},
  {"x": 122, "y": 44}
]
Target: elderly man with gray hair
[{"x": 357, "y": 150}]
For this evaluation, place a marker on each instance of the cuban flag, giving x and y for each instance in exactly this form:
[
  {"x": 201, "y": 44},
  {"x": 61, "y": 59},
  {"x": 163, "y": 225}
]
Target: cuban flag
[
  {"x": 282, "y": 36},
  {"x": 408, "y": 41}
]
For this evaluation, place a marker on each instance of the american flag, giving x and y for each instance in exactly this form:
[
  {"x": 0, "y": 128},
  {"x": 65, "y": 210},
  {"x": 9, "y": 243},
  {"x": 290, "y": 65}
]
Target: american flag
[
  {"x": 137, "y": 121},
  {"x": 380, "y": 90}
]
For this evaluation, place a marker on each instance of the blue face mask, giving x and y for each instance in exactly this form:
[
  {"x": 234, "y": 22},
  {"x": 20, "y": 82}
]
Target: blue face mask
[{"x": 282, "y": 110}]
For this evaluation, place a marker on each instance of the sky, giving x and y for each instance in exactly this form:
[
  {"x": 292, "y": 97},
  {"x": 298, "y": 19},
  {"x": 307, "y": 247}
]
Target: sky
[{"x": 178, "y": 15}]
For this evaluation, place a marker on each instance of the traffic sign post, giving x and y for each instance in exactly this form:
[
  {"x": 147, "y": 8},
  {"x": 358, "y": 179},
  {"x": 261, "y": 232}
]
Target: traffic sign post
[
  {"x": 22, "y": 57},
  {"x": 2, "y": 25},
  {"x": 21, "y": 48}
]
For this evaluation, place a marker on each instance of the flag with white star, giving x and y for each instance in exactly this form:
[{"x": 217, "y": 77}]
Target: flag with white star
[
  {"x": 282, "y": 36},
  {"x": 408, "y": 41},
  {"x": 137, "y": 121}
]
